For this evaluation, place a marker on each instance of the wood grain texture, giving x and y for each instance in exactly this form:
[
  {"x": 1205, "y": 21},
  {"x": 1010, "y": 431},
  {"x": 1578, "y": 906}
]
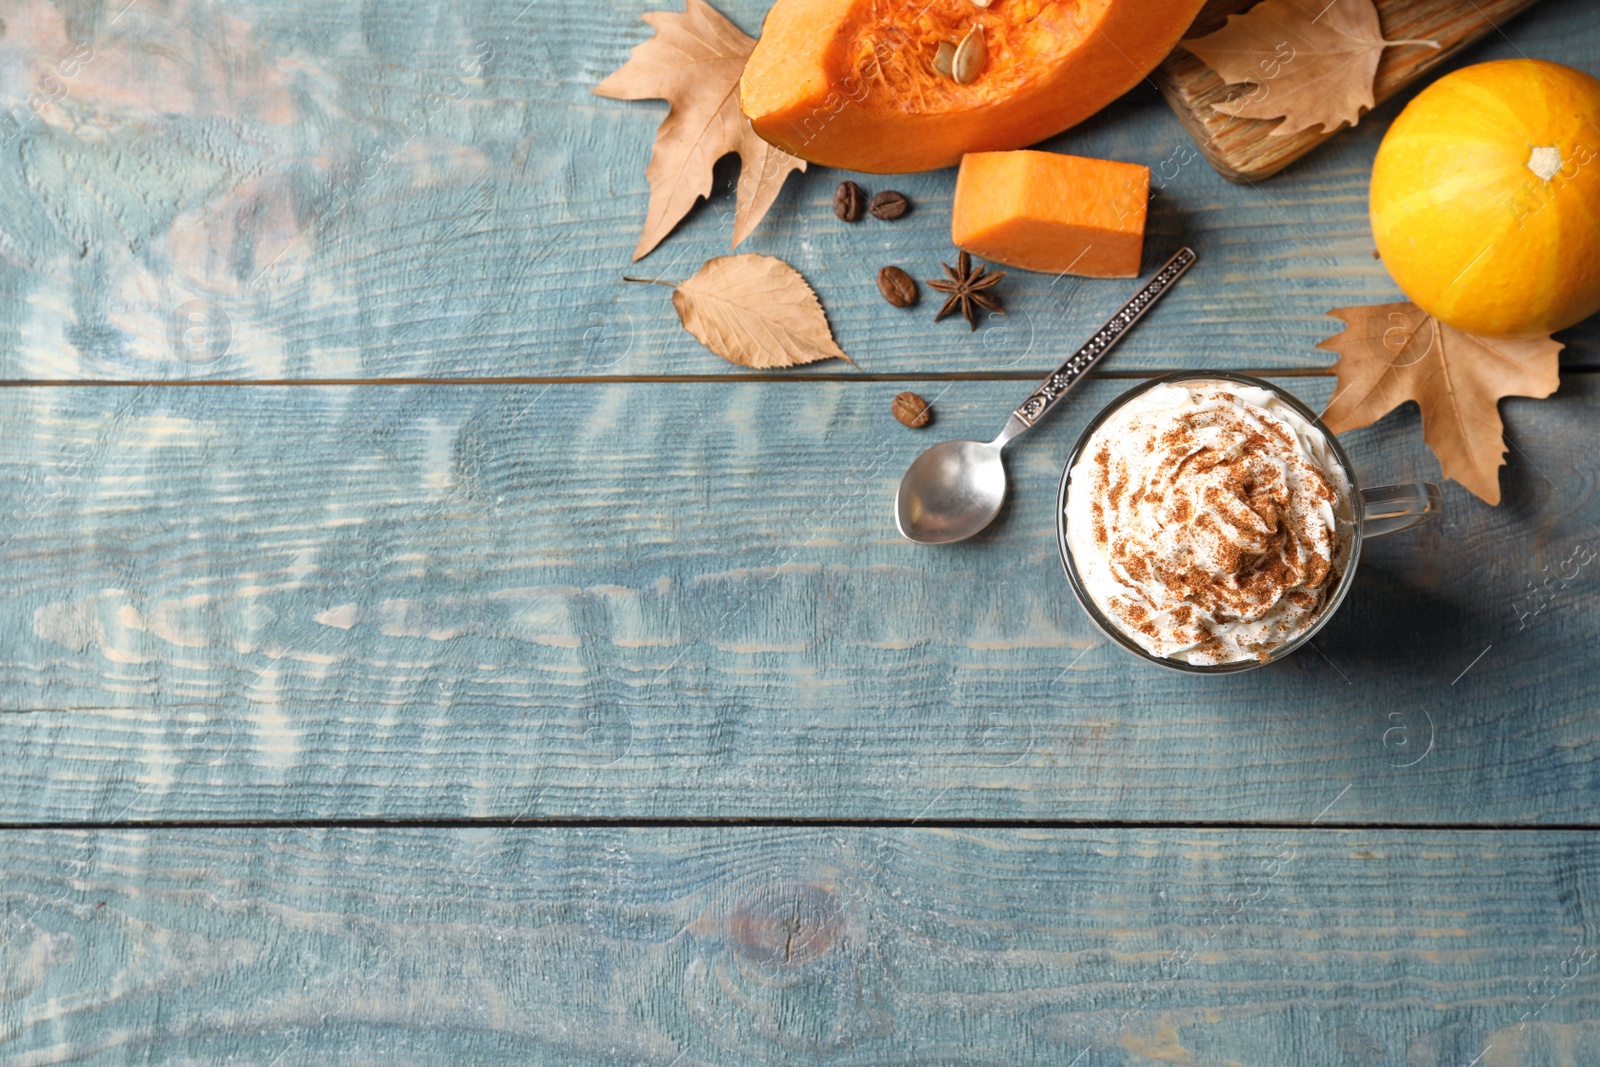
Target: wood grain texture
[
  {"x": 686, "y": 600},
  {"x": 739, "y": 946},
  {"x": 689, "y": 600},
  {"x": 266, "y": 189},
  {"x": 1246, "y": 150}
]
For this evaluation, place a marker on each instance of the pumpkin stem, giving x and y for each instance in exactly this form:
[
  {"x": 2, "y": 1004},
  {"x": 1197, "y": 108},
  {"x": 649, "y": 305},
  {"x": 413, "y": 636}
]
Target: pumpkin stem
[{"x": 1545, "y": 161}]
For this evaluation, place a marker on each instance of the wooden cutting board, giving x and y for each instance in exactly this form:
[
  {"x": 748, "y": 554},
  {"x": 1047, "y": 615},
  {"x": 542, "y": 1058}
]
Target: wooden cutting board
[{"x": 1244, "y": 150}]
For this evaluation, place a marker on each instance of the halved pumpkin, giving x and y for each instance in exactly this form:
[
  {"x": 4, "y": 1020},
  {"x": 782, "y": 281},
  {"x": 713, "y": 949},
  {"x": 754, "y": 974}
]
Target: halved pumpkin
[{"x": 861, "y": 84}]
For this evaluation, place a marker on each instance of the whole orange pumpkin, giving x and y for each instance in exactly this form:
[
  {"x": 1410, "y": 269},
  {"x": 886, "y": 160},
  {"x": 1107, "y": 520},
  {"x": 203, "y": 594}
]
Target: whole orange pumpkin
[
  {"x": 1486, "y": 198},
  {"x": 892, "y": 86}
]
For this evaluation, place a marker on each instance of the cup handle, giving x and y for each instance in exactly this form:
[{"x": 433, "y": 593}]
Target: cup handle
[{"x": 1392, "y": 508}]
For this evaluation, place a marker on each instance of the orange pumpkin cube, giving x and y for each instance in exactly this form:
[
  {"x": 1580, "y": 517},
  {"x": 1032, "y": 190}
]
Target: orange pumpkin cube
[{"x": 1052, "y": 213}]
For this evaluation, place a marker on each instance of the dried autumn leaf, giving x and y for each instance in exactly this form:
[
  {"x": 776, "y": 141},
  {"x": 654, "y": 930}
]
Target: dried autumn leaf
[
  {"x": 693, "y": 62},
  {"x": 1391, "y": 353},
  {"x": 1311, "y": 62},
  {"x": 755, "y": 311}
]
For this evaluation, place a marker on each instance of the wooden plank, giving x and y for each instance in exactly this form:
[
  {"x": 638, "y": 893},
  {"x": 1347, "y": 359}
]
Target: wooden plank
[
  {"x": 244, "y": 192},
  {"x": 1246, "y": 150},
  {"x": 737, "y": 946},
  {"x": 688, "y": 600}
]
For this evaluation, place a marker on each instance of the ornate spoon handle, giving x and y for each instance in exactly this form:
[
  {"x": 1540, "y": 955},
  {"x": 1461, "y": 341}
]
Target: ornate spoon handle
[{"x": 1055, "y": 387}]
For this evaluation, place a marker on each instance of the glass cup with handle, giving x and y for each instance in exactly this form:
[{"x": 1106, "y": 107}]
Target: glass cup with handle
[{"x": 1374, "y": 512}]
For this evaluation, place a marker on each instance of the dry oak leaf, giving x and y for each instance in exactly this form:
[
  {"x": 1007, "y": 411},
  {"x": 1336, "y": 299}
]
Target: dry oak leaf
[
  {"x": 1391, "y": 353},
  {"x": 693, "y": 62},
  {"x": 755, "y": 311},
  {"x": 1311, "y": 62}
]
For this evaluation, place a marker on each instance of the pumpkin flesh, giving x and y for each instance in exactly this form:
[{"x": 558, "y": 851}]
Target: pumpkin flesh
[
  {"x": 852, "y": 83},
  {"x": 1052, "y": 213}
]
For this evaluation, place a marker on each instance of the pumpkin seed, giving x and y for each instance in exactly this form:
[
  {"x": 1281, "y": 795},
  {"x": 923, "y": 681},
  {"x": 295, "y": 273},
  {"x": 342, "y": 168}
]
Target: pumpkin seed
[
  {"x": 981, "y": 3},
  {"x": 944, "y": 58},
  {"x": 970, "y": 57}
]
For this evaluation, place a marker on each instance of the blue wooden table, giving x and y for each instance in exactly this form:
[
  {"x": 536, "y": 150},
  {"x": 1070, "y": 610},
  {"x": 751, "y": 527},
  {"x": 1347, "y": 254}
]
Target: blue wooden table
[{"x": 418, "y": 649}]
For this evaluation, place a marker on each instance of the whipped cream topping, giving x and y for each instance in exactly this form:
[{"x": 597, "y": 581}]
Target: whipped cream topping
[{"x": 1209, "y": 521}]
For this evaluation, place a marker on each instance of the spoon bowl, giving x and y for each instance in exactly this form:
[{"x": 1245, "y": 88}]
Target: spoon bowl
[{"x": 950, "y": 492}]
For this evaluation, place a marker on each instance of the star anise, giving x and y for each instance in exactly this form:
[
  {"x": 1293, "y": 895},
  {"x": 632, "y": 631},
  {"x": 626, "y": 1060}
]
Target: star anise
[{"x": 966, "y": 288}]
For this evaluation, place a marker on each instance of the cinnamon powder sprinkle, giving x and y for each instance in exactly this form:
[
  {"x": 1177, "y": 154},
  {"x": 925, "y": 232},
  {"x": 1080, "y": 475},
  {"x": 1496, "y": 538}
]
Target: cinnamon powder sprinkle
[{"x": 1217, "y": 518}]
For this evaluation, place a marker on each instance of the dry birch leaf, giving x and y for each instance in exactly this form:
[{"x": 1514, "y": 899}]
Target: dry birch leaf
[
  {"x": 1309, "y": 62},
  {"x": 755, "y": 311},
  {"x": 693, "y": 62},
  {"x": 1391, "y": 353}
]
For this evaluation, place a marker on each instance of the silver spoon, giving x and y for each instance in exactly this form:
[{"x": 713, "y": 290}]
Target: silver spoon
[{"x": 955, "y": 489}]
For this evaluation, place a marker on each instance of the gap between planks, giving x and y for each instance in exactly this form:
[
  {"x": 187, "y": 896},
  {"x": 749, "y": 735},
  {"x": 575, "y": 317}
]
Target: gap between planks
[
  {"x": 662, "y": 379},
  {"x": 634, "y": 379},
  {"x": 645, "y": 823}
]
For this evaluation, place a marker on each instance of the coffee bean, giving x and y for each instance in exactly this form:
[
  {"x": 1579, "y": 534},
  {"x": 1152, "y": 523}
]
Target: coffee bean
[
  {"x": 897, "y": 287},
  {"x": 847, "y": 201},
  {"x": 889, "y": 205},
  {"x": 912, "y": 410}
]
